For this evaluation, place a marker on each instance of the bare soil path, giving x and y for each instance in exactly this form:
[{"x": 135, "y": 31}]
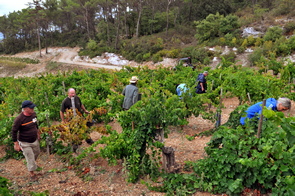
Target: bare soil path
[{"x": 68, "y": 56}]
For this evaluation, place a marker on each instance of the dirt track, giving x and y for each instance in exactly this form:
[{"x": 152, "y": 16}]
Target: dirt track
[
  {"x": 68, "y": 56},
  {"x": 65, "y": 59}
]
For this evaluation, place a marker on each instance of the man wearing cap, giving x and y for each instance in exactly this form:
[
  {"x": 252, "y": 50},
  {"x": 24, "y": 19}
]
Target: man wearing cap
[
  {"x": 26, "y": 135},
  {"x": 73, "y": 102},
  {"x": 131, "y": 93}
]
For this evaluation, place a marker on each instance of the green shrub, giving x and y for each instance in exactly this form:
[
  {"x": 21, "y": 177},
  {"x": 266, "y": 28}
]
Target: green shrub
[
  {"x": 92, "y": 45},
  {"x": 146, "y": 56},
  {"x": 138, "y": 58},
  {"x": 273, "y": 33},
  {"x": 241, "y": 49},
  {"x": 289, "y": 28},
  {"x": 258, "y": 42},
  {"x": 255, "y": 56},
  {"x": 130, "y": 49},
  {"x": 274, "y": 65},
  {"x": 230, "y": 57},
  {"x": 251, "y": 40},
  {"x": 174, "y": 53},
  {"x": 94, "y": 49},
  {"x": 284, "y": 7},
  {"x": 291, "y": 43},
  {"x": 157, "y": 58},
  {"x": 186, "y": 52},
  {"x": 4, "y": 187},
  {"x": 199, "y": 54},
  {"x": 206, "y": 60},
  {"x": 162, "y": 53},
  {"x": 245, "y": 43},
  {"x": 282, "y": 48},
  {"x": 222, "y": 41},
  {"x": 230, "y": 40},
  {"x": 267, "y": 47},
  {"x": 215, "y": 26}
]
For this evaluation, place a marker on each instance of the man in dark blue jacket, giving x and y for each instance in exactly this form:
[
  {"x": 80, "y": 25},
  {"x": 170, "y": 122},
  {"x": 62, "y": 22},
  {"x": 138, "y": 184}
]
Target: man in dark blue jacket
[
  {"x": 202, "y": 83},
  {"x": 277, "y": 105}
]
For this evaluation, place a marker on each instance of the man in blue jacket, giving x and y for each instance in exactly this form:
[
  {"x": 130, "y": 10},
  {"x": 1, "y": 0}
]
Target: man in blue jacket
[
  {"x": 202, "y": 83},
  {"x": 277, "y": 105}
]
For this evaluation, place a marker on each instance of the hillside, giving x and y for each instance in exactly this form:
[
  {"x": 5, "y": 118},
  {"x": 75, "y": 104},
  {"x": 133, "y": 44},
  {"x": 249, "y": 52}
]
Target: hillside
[
  {"x": 95, "y": 176},
  {"x": 67, "y": 58}
]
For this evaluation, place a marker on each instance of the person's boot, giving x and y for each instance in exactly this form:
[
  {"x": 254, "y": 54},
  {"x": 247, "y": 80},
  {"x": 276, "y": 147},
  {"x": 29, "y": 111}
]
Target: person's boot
[{"x": 89, "y": 141}]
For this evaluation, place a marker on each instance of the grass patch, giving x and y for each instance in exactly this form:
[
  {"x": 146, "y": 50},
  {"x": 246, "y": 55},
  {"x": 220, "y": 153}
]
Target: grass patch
[
  {"x": 21, "y": 60},
  {"x": 11, "y": 66},
  {"x": 52, "y": 65}
]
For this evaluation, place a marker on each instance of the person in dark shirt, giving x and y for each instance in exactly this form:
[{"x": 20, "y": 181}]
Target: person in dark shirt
[
  {"x": 26, "y": 135},
  {"x": 73, "y": 102},
  {"x": 68, "y": 104},
  {"x": 202, "y": 83}
]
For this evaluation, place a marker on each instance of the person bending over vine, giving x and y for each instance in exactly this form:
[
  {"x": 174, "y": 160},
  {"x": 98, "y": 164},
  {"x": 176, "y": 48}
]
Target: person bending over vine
[{"x": 277, "y": 105}]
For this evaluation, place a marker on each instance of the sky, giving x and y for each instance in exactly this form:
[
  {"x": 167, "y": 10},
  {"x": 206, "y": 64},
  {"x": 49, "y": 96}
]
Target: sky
[{"x": 7, "y": 6}]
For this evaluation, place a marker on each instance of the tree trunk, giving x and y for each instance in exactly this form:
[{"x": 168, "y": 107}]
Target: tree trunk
[
  {"x": 39, "y": 40},
  {"x": 167, "y": 16},
  {"x": 118, "y": 27},
  {"x": 87, "y": 22},
  {"x": 108, "y": 28},
  {"x": 139, "y": 17}
]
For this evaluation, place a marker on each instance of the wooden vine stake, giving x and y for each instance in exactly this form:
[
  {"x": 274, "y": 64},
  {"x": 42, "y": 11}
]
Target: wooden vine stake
[
  {"x": 64, "y": 88},
  {"x": 49, "y": 142},
  {"x": 167, "y": 153},
  {"x": 46, "y": 97},
  {"x": 249, "y": 97},
  {"x": 210, "y": 105},
  {"x": 132, "y": 125},
  {"x": 260, "y": 119},
  {"x": 169, "y": 159},
  {"x": 218, "y": 114}
]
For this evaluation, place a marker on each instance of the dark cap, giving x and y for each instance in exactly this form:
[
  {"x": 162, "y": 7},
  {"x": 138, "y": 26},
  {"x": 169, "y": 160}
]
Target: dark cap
[{"x": 28, "y": 104}]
